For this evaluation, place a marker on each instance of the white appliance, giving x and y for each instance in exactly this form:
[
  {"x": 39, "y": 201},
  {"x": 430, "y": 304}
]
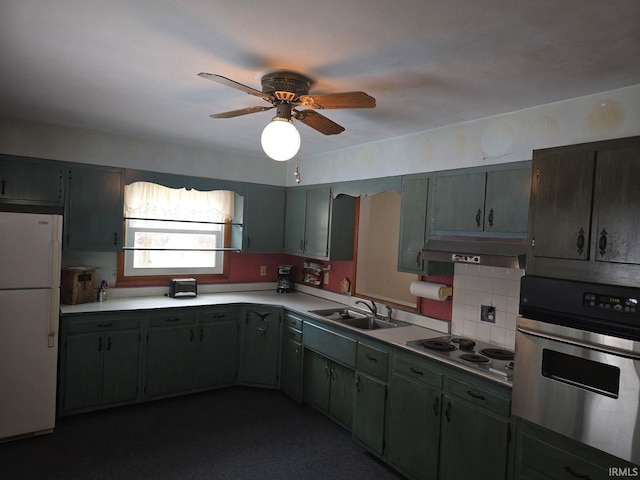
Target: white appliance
[{"x": 30, "y": 251}]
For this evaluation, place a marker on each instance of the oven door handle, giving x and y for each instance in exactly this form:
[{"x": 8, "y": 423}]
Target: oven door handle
[{"x": 578, "y": 343}]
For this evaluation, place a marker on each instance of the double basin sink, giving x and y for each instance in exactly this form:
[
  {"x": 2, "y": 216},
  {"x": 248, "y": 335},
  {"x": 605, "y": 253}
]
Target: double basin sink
[{"x": 357, "y": 319}]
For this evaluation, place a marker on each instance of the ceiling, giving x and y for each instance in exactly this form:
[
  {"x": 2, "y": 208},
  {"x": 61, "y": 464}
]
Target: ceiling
[{"x": 131, "y": 67}]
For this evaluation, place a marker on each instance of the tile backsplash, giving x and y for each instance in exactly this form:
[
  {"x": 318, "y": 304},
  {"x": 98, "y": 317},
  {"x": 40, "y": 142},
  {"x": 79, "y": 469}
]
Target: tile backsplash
[{"x": 476, "y": 285}]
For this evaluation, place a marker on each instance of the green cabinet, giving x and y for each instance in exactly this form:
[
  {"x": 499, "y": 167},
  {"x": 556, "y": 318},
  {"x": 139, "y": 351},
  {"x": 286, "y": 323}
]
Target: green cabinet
[
  {"x": 170, "y": 346},
  {"x": 217, "y": 346},
  {"x": 415, "y": 401},
  {"x": 318, "y": 226},
  {"x": 413, "y": 224},
  {"x": 260, "y": 331},
  {"x": 583, "y": 221},
  {"x": 93, "y": 213},
  {"x": 545, "y": 455},
  {"x": 263, "y": 230},
  {"x": 291, "y": 357},
  {"x": 491, "y": 203},
  {"x": 99, "y": 361},
  {"x": 329, "y": 387},
  {"x": 30, "y": 181},
  {"x": 371, "y": 396}
]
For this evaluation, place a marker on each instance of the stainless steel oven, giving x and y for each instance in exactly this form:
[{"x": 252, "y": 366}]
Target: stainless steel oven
[{"x": 577, "y": 362}]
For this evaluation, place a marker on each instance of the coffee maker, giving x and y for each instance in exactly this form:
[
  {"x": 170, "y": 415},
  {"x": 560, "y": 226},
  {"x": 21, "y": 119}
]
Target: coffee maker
[{"x": 285, "y": 282}]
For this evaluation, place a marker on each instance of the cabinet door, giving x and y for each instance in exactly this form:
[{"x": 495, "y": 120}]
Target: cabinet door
[
  {"x": 317, "y": 380},
  {"x": 264, "y": 219},
  {"x": 84, "y": 355},
  {"x": 369, "y": 413},
  {"x": 318, "y": 210},
  {"x": 31, "y": 181},
  {"x": 481, "y": 439},
  {"x": 458, "y": 203},
  {"x": 562, "y": 199},
  {"x": 216, "y": 354},
  {"x": 617, "y": 206},
  {"x": 261, "y": 338},
  {"x": 121, "y": 359},
  {"x": 507, "y": 202},
  {"x": 342, "y": 393},
  {"x": 93, "y": 219},
  {"x": 414, "y": 428},
  {"x": 296, "y": 205},
  {"x": 413, "y": 224},
  {"x": 291, "y": 368},
  {"x": 170, "y": 359}
]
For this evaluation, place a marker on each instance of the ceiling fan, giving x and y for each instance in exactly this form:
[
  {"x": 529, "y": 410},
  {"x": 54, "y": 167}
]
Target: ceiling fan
[{"x": 285, "y": 91}]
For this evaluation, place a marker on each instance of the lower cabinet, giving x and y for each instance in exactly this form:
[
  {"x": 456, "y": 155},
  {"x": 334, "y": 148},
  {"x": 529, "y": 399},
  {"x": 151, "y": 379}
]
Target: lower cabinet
[
  {"x": 291, "y": 357},
  {"x": 329, "y": 387},
  {"x": 99, "y": 361},
  {"x": 260, "y": 335},
  {"x": 216, "y": 362}
]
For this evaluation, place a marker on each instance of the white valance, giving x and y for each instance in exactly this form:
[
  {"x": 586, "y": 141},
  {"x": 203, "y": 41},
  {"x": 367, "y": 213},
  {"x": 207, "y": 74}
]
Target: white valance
[{"x": 153, "y": 201}]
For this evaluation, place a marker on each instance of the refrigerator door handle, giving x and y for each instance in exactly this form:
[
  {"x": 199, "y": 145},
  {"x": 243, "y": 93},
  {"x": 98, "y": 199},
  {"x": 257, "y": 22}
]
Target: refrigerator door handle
[{"x": 56, "y": 260}]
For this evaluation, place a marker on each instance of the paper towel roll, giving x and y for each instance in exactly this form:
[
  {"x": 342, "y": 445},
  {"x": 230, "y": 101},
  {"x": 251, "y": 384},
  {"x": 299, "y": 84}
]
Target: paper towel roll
[{"x": 433, "y": 291}]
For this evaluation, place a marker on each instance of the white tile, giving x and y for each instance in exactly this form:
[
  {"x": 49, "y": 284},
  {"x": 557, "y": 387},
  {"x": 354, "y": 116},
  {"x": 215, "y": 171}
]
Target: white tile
[
  {"x": 472, "y": 269},
  {"x": 500, "y": 286},
  {"x": 457, "y": 311},
  {"x": 459, "y": 294},
  {"x": 485, "y": 271},
  {"x": 513, "y": 289},
  {"x": 459, "y": 281},
  {"x": 471, "y": 312},
  {"x": 510, "y": 338},
  {"x": 501, "y": 320},
  {"x": 498, "y": 335},
  {"x": 513, "y": 305},
  {"x": 484, "y": 332},
  {"x": 484, "y": 298},
  {"x": 471, "y": 298},
  {"x": 475, "y": 283},
  {"x": 470, "y": 329},
  {"x": 459, "y": 268},
  {"x": 499, "y": 272},
  {"x": 514, "y": 273},
  {"x": 457, "y": 328},
  {"x": 486, "y": 284},
  {"x": 500, "y": 302}
]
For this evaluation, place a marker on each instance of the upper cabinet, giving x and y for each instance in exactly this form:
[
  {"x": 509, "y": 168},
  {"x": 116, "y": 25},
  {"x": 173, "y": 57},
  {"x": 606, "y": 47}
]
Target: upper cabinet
[
  {"x": 485, "y": 203},
  {"x": 317, "y": 225},
  {"x": 263, "y": 228},
  {"x": 413, "y": 224},
  {"x": 29, "y": 181},
  {"x": 93, "y": 214},
  {"x": 584, "y": 212}
]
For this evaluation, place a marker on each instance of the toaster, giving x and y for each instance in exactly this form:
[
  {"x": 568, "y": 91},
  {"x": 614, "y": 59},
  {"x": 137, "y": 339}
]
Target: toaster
[{"x": 183, "y": 287}]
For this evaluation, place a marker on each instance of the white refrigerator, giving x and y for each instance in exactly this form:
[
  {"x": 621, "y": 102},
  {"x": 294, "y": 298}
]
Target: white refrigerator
[{"x": 30, "y": 251}]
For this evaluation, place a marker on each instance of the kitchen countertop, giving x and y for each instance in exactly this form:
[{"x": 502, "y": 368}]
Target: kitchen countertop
[{"x": 297, "y": 301}]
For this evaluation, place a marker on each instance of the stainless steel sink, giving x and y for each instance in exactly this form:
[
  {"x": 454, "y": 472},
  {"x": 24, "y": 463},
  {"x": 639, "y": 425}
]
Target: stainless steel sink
[{"x": 357, "y": 319}]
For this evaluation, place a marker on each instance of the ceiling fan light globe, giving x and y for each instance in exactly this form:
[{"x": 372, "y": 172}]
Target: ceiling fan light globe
[{"x": 280, "y": 139}]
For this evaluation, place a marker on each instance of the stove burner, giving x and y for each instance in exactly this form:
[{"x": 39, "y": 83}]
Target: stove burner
[
  {"x": 497, "y": 353},
  {"x": 438, "y": 345},
  {"x": 473, "y": 358}
]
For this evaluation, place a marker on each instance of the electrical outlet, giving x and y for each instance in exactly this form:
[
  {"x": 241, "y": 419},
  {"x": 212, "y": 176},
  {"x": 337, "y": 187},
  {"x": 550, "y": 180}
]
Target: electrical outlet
[
  {"x": 263, "y": 271},
  {"x": 488, "y": 314}
]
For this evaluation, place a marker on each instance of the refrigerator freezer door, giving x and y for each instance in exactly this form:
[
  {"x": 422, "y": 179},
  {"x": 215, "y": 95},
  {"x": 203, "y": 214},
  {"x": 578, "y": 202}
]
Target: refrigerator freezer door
[
  {"x": 28, "y": 364},
  {"x": 30, "y": 246}
]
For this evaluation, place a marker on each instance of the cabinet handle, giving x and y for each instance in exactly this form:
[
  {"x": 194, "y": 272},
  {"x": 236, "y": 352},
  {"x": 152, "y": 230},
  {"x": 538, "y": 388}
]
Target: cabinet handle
[
  {"x": 201, "y": 333},
  {"x": 372, "y": 358},
  {"x": 218, "y": 315},
  {"x": 291, "y": 333},
  {"x": 475, "y": 395},
  {"x": 115, "y": 238},
  {"x": 305, "y": 246},
  {"x": 191, "y": 335},
  {"x": 302, "y": 245},
  {"x": 419, "y": 259},
  {"x": 4, "y": 185},
  {"x": 108, "y": 343},
  {"x": 297, "y": 353},
  {"x": 104, "y": 325},
  {"x": 570, "y": 471},
  {"x": 580, "y": 241},
  {"x": 248, "y": 242},
  {"x": 326, "y": 370},
  {"x": 490, "y": 218},
  {"x": 602, "y": 243},
  {"x": 333, "y": 372},
  {"x": 436, "y": 406},
  {"x": 478, "y": 217},
  {"x": 358, "y": 383},
  {"x": 447, "y": 412},
  {"x": 417, "y": 372},
  {"x": 100, "y": 344},
  {"x": 172, "y": 319}
]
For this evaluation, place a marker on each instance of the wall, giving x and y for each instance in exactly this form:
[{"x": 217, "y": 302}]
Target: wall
[{"x": 500, "y": 139}]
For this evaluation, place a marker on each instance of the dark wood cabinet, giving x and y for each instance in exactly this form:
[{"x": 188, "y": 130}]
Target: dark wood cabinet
[
  {"x": 261, "y": 331},
  {"x": 31, "y": 181}
]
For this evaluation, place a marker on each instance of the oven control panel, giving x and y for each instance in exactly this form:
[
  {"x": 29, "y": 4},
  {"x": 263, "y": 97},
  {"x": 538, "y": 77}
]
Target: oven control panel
[{"x": 610, "y": 302}]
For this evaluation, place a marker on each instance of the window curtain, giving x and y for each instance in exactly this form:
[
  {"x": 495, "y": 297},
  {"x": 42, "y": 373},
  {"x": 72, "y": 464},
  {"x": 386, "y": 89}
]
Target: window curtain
[{"x": 153, "y": 201}]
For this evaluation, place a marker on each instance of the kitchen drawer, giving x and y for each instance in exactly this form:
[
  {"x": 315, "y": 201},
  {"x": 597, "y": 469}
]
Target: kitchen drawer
[
  {"x": 293, "y": 334},
  {"x": 330, "y": 344},
  {"x": 171, "y": 318},
  {"x": 373, "y": 361},
  {"x": 97, "y": 323},
  {"x": 478, "y": 396},
  {"x": 211, "y": 315},
  {"x": 418, "y": 371},
  {"x": 293, "y": 322}
]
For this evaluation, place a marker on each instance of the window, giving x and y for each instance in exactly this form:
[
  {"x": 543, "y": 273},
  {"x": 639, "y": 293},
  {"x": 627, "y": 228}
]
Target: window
[{"x": 175, "y": 231}]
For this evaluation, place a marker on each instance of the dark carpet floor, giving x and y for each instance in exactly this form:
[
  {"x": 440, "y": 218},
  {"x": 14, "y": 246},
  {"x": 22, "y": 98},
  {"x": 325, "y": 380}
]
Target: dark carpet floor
[{"x": 234, "y": 433}]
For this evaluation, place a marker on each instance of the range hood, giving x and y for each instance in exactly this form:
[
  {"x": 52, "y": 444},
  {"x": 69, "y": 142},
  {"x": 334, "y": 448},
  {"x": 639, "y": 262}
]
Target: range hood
[{"x": 494, "y": 252}]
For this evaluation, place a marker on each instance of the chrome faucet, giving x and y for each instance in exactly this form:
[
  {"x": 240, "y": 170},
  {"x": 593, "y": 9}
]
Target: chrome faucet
[
  {"x": 372, "y": 307},
  {"x": 389, "y": 311}
]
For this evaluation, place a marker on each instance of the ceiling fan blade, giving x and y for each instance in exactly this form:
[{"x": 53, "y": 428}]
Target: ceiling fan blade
[
  {"x": 240, "y": 111},
  {"x": 319, "y": 122},
  {"x": 238, "y": 86},
  {"x": 338, "y": 100}
]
